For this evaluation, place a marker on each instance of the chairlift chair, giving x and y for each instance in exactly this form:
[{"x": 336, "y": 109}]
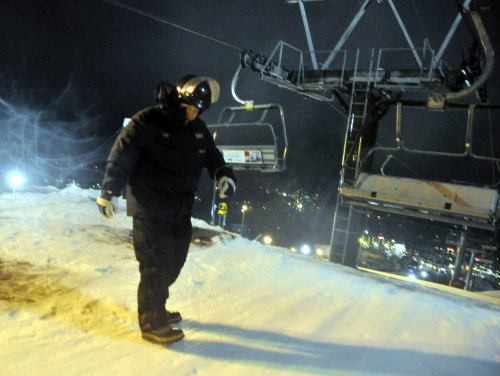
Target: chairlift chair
[{"x": 255, "y": 144}]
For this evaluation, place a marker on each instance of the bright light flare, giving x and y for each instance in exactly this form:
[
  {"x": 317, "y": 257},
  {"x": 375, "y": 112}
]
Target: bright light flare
[
  {"x": 320, "y": 252},
  {"x": 305, "y": 249},
  {"x": 267, "y": 240},
  {"x": 16, "y": 179},
  {"x": 412, "y": 277}
]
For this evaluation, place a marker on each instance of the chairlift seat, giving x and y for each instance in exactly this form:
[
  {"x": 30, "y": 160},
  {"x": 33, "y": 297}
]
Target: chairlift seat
[{"x": 446, "y": 202}]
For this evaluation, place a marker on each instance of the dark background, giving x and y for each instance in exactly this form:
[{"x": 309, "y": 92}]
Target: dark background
[{"x": 70, "y": 71}]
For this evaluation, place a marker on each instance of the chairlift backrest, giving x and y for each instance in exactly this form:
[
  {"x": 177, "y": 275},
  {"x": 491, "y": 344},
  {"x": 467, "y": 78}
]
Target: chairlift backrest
[{"x": 255, "y": 142}]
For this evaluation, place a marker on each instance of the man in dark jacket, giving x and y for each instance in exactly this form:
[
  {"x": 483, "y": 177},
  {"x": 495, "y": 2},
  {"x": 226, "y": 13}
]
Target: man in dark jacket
[{"x": 159, "y": 156}]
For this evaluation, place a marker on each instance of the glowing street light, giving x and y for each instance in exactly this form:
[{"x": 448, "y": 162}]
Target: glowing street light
[
  {"x": 412, "y": 277},
  {"x": 15, "y": 180},
  {"x": 305, "y": 249},
  {"x": 321, "y": 252},
  {"x": 244, "y": 209},
  {"x": 267, "y": 240}
]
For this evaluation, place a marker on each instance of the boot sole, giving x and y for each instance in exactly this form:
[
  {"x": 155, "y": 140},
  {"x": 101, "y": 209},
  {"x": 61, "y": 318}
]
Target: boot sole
[{"x": 161, "y": 340}]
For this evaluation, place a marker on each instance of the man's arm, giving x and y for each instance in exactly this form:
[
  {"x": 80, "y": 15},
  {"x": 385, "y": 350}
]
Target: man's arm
[
  {"x": 219, "y": 170},
  {"x": 123, "y": 157},
  {"x": 215, "y": 163},
  {"x": 121, "y": 161}
]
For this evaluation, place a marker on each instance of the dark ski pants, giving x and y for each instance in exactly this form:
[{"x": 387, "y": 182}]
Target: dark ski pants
[{"x": 161, "y": 248}]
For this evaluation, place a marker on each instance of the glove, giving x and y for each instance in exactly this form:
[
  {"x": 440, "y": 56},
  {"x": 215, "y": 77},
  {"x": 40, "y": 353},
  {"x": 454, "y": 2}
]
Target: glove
[
  {"x": 107, "y": 204},
  {"x": 226, "y": 187}
]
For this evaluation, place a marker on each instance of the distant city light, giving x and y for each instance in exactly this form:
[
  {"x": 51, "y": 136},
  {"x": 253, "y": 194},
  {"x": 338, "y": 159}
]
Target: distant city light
[
  {"x": 267, "y": 240},
  {"x": 16, "y": 179},
  {"x": 399, "y": 249},
  {"x": 321, "y": 252},
  {"x": 305, "y": 249},
  {"x": 424, "y": 274},
  {"x": 363, "y": 242},
  {"x": 73, "y": 185}
]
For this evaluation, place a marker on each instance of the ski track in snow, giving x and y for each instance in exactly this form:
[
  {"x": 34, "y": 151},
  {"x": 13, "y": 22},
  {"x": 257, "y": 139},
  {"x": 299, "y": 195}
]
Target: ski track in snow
[{"x": 67, "y": 306}]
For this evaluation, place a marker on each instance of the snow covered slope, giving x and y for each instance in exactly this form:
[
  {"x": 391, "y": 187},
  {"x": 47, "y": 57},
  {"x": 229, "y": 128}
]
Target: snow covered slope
[{"x": 68, "y": 283}]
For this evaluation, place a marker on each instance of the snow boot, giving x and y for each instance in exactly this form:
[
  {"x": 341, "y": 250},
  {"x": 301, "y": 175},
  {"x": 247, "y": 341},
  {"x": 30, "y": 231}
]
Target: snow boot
[
  {"x": 163, "y": 335},
  {"x": 173, "y": 317}
]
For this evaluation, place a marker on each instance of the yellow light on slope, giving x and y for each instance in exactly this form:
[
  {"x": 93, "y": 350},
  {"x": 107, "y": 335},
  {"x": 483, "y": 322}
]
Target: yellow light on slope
[{"x": 267, "y": 240}]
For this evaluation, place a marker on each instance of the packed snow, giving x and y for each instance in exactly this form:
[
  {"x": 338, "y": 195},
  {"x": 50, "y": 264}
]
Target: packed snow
[{"x": 68, "y": 280}]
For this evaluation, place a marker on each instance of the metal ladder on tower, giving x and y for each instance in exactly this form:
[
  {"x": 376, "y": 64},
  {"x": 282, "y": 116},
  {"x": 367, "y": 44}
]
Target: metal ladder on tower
[{"x": 343, "y": 241}]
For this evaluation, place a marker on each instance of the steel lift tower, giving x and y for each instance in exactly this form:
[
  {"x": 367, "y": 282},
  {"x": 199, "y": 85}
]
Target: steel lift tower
[{"x": 366, "y": 91}]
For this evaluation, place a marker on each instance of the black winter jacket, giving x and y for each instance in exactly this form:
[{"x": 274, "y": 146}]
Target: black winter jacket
[{"x": 162, "y": 163}]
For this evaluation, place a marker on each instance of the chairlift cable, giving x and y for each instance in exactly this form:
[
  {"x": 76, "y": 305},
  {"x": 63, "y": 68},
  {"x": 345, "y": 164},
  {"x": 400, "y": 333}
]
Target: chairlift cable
[
  {"x": 336, "y": 109},
  {"x": 492, "y": 147},
  {"x": 164, "y": 21},
  {"x": 419, "y": 18},
  {"x": 377, "y": 31}
]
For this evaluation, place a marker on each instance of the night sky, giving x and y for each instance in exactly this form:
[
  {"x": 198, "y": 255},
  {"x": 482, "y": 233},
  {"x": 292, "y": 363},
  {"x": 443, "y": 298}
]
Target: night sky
[{"x": 70, "y": 72}]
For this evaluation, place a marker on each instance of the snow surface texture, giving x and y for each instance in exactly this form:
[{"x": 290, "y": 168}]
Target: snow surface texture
[{"x": 68, "y": 280}]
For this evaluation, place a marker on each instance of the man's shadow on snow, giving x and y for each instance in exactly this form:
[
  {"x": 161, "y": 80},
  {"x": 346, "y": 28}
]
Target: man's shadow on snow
[{"x": 314, "y": 356}]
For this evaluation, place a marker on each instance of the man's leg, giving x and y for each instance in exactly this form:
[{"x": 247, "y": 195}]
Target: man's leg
[
  {"x": 161, "y": 249},
  {"x": 152, "y": 241},
  {"x": 183, "y": 232}
]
